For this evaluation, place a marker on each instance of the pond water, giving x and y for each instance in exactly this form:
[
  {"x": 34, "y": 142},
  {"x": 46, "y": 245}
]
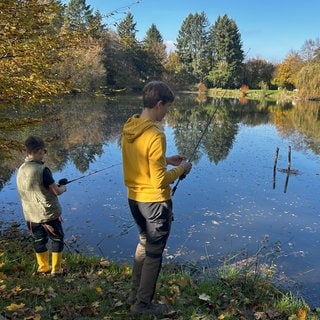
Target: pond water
[{"x": 235, "y": 204}]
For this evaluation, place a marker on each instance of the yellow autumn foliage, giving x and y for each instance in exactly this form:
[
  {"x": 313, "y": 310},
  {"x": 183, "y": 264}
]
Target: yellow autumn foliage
[{"x": 34, "y": 46}]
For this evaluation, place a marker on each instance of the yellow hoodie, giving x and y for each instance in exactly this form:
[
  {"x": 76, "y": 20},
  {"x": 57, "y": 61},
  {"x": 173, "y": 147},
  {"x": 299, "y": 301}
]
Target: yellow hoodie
[{"x": 144, "y": 161}]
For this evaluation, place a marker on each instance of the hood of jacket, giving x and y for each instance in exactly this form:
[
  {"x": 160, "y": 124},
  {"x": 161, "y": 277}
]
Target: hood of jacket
[{"x": 135, "y": 126}]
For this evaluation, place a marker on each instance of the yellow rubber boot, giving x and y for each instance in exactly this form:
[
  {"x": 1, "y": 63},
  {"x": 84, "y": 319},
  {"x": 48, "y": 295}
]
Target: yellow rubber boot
[
  {"x": 43, "y": 262},
  {"x": 56, "y": 264}
]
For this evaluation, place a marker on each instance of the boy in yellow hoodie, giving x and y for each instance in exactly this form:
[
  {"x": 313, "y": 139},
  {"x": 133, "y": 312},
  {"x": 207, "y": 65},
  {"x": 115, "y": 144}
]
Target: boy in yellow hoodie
[{"x": 149, "y": 193}]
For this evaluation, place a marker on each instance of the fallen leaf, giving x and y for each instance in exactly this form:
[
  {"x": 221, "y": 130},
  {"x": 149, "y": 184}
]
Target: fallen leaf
[
  {"x": 302, "y": 314},
  {"x": 204, "y": 297},
  {"x": 118, "y": 304},
  {"x": 104, "y": 263},
  {"x": 260, "y": 316},
  {"x": 99, "y": 290},
  {"x": 14, "y": 307},
  {"x": 38, "y": 308}
]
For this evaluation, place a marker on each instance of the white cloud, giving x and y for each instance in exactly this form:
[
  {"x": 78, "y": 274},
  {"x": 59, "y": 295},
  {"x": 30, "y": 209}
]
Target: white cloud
[{"x": 170, "y": 46}]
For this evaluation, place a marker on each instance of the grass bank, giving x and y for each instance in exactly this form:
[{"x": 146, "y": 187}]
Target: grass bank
[
  {"x": 96, "y": 288},
  {"x": 267, "y": 95}
]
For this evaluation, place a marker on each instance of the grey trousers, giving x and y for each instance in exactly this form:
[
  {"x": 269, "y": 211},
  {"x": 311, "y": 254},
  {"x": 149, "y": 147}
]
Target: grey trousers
[{"x": 153, "y": 220}]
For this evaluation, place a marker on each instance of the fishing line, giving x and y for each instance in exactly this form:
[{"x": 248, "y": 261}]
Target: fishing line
[
  {"x": 65, "y": 181},
  {"x": 197, "y": 145}
]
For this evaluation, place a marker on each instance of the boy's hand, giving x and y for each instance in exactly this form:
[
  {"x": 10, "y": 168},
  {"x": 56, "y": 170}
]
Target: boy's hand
[
  {"x": 175, "y": 160},
  {"x": 186, "y": 166}
]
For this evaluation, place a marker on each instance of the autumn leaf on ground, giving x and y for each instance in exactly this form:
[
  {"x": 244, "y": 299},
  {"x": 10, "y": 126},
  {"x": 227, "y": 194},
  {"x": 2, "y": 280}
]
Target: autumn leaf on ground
[
  {"x": 35, "y": 317},
  {"x": 16, "y": 290},
  {"x": 302, "y": 314},
  {"x": 272, "y": 314},
  {"x": 104, "y": 263},
  {"x": 204, "y": 297},
  {"x": 99, "y": 290},
  {"x": 37, "y": 292},
  {"x": 2, "y": 276},
  {"x": 39, "y": 308},
  {"x": 14, "y": 307}
]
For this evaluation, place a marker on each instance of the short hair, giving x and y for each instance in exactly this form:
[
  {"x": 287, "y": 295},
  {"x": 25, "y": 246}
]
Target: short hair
[
  {"x": 33, "y": 144},
  {"x": 156, "y": 91}
]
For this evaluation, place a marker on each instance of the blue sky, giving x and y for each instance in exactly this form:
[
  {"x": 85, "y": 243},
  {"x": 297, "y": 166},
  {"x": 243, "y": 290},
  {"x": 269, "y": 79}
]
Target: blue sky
[{"x": 269, "y": 29}]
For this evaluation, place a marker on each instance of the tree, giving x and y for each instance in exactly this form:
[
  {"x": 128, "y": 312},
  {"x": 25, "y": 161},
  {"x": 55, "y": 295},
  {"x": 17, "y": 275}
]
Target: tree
[
  {"x": 153, "y": 43},
  {"x": 126, "y": 30},
  {"x": 79, "y": 17},
  {"x": 173, "y": 64},
  {"x": 310, "y": 50},
  {"x": 39, "y": 57},
  {"x": 156, "y": 52},
  {"x": 192, "y": 46},
  {"x": 135, "y": 59},
  {"x": 31, "y": 45},
  {"x": 84, "y": 68},
  {"x": 308, "y": 81},
  {"x": 257, "y": 71},
  {"x": 226, "y": 46},
  {"x": 220, "y": 75},
  {"x": 286, "y": 72}
]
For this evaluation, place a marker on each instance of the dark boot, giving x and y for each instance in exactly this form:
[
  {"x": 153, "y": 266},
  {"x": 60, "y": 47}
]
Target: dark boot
[
  {"x": 149, "y": 276},
  {"x": 136, "y": 272}
]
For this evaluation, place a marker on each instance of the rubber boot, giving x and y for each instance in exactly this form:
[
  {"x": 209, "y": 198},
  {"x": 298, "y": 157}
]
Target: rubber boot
[
  {"x": 136, "y": 272},
  {"x": 43, "y": 262},
  {"x": 56, "y": 264}
]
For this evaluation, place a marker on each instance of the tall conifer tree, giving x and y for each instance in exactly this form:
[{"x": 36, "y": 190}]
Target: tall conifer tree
[
  {"x": 227, "y": 53},
  {"x": 192, "y": 45}
]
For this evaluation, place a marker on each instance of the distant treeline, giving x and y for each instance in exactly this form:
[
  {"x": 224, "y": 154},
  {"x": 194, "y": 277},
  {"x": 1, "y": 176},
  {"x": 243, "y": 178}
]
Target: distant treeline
[{"x": 49, "y": 48}]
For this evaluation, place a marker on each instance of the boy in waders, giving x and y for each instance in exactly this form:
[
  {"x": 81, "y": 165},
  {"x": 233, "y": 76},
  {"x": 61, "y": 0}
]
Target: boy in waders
[
  {"x": 42, "y": 211},
  {"x": 149, "y": 194}
]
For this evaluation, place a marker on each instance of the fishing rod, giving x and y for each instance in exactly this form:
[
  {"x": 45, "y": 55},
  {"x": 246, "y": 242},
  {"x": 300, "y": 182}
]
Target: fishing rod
[
  {"x": 197, "y": 146},
  {"x": 64, "y": 181}
]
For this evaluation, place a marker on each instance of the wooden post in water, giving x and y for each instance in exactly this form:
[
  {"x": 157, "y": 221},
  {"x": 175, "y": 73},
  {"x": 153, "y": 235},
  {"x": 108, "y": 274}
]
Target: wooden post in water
[
  {"x": 275, "y": 167},
  {"x": 289, "y": 158},
  {"x": 288, "y": 170}
]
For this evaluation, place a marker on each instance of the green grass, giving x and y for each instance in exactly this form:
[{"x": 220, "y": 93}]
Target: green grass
[
  {"x": 253, "y": 94},
  {"x": 96, "y": 288}
]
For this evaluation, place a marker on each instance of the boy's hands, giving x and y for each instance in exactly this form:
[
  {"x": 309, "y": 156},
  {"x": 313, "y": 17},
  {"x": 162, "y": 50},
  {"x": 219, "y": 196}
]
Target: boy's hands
[
  {"x": 180, "y": 161},
  {"x": 175, "y": 160}
]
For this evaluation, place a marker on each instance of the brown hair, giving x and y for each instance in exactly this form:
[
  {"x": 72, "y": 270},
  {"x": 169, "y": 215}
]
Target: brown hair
[
  {"x": 156, "y": 91},
  {"x": 34, "y": 144}
]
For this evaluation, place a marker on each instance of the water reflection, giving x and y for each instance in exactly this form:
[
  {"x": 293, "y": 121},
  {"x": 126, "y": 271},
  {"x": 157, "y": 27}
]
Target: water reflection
[
  {"x": 76, "y": 128},
  {"x": 231, "y": 200}
]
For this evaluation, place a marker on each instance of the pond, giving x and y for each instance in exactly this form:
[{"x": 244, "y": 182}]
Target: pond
[{"x": 238, "y": 202}]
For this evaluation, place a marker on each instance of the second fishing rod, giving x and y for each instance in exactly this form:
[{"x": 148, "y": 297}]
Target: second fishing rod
[{"x": 191, "y": 158}]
